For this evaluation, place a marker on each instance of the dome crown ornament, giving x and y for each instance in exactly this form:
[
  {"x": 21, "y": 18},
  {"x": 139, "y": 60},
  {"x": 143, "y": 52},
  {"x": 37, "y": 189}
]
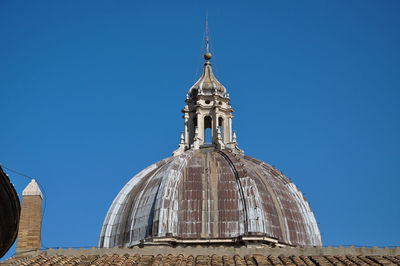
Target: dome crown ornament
[{"x": 207, "y": 56}]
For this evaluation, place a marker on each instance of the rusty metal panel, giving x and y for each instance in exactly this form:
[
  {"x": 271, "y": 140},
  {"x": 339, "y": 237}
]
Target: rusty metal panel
[
  {"x": 189, "y": 200},
  {"x": 210, "y": 203}
]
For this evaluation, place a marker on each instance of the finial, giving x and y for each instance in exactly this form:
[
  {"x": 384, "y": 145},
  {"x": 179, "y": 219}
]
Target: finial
[
  {"x": 207, "y": 55},
  {"x": 182, "y": 138},
  {"x": 234, "y": 137}
]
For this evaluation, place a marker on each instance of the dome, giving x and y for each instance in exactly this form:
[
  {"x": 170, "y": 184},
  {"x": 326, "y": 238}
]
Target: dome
[
  {"x": 210, "y": 195},
  {"x": 209, "y": 192}
]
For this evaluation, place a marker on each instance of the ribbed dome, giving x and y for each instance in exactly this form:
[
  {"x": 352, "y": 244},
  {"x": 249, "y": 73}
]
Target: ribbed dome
[{"x": 209, "y": 195}]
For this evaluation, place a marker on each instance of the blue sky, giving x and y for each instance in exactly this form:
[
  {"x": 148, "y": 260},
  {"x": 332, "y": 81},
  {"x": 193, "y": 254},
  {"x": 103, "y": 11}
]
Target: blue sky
[{"x": 91, "y": 93}]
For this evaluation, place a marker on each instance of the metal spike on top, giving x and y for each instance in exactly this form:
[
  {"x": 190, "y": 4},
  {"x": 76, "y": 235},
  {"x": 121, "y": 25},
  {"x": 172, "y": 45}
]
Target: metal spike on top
[{"x": 207, "y": 55}]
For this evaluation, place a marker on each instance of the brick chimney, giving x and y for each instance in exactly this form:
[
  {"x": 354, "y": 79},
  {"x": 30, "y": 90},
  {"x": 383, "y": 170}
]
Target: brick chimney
[{"x": 30, "y": 224}]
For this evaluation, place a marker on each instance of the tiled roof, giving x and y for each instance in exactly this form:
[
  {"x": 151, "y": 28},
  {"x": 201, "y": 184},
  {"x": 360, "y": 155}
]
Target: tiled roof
[{"x": 212, "y": 260}]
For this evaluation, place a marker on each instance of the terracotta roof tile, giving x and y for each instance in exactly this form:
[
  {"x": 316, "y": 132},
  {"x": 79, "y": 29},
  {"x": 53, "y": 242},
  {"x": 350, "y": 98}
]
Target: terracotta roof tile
[
  {"x": 320, "y": 260},
  {"x": 381, "y": 260},
  {"x": 297, "y": 261},
  {"x": 274, "y": 260},
  {"x": 393, "y": 259},
  {"x": 368, "y": 261},
  {"x": 204, "y": 260},
  {"x": 334, "y": 261},
  {"x": 216, "y": 260},
  {"x": 228, "y": 261},
  {"x": 306, "y": 260},
  {"x": 345, "y": 261},
  {"x": 249, "y": 261},
  {"x": 239, "y": 260},
  {"x": 356, "y": 260},
  {"x": 286, "y": 261},
  {"x": 261, "y": 260},
  {"x": 190, "y": 261}
]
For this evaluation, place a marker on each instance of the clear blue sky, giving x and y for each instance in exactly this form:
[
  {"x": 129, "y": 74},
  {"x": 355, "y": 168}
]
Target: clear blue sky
[{"x": 91, "y": 93}]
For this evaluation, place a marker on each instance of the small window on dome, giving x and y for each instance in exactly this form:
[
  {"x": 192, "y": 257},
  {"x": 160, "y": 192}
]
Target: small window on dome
[{"x": 207, "y": 101}]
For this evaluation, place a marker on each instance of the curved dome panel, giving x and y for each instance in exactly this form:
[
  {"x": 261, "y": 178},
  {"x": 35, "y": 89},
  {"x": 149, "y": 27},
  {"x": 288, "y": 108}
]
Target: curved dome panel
[{"x": 209, "y": 195}]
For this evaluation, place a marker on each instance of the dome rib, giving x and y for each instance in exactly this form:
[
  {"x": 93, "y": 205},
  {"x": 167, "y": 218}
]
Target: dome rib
[
  {"x": 239, "y": 184},
  {"x": 259, "y": 221}
]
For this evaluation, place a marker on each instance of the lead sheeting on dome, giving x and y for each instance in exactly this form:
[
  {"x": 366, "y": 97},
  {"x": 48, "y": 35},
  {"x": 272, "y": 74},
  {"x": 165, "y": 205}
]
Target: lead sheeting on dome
[{"x": 210, "y": 195}]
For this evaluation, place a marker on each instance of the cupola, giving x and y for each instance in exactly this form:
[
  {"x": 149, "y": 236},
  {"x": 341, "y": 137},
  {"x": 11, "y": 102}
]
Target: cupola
[{"x": 207, "y": 108}]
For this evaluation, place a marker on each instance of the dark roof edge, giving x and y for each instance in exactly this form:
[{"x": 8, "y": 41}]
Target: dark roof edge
[{"x": 12, "y": 207}]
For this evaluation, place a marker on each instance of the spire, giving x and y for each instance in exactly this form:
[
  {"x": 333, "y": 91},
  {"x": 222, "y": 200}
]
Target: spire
[
  {"x": 207, "y": 84},
  {"x": 207, "y": 55}
]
